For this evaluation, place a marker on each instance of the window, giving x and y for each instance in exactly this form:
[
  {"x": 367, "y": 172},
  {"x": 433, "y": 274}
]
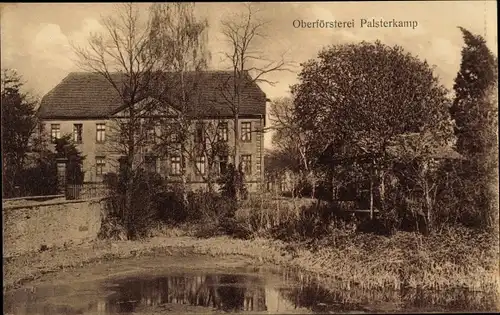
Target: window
[
  {"x": 55, "y": 132},
  {"x": 101, "y": 132},
  {"x": 200, "y": 164},
  {"x": 100, "y": 163},
  {"x": 170, "y": 132},
  {"x": 222, "y": 164},
  {"x": 150, "y": 162},
  {"x": 122, "y": 160},
  {"x": 77, "y": 133},
  {"x": 246, "y": 163},
  {"x": 175, "y": 165},
  {"x": 246, "y": 131},
  {"x": 173, "y": 136},
  {"x": 198, "y": 136},
  {"x": 222, "y": 132},
  {"x": 150, "y": 134}
]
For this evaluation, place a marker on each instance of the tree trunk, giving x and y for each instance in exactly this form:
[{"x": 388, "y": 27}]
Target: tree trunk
[
  {"x": 428, "y": 203},
  {"x": 313, "y": 184},
  {"x": 382, "y": 190},
  {"x": 371, "y": 192},
  {"x": 183, "y": 144},
  {"x": 278, "y": 208},
  {"x": 334, "y": 188},
  {"x": 129, "y": 213},
  {"x": 237, "y": 151},
  {"x": 183, "y": 173}
]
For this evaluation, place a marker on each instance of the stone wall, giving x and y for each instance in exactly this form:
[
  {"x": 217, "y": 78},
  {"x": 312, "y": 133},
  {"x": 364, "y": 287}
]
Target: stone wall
[{"x": 34, "y": 226}]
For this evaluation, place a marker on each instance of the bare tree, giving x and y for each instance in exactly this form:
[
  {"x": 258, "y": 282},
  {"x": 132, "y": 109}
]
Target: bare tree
[
  {"x": 123, "y": 57},
  {"x": 205, "y": 151},
  {"x": 248, "y": 63},
  {"x": 179, "y": 42},
  {"x": 292, "y": 141},
  {"x": 288, "y": 133}
]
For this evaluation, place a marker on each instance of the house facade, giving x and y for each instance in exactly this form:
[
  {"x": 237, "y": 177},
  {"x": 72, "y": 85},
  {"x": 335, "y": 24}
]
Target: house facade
[{"x": 87, "y": 107}]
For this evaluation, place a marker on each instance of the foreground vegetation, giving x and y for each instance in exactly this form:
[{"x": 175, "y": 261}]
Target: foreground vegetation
[
  {"x": 320, "y": 238},
  {"x": 452, "y": 258},
  {"x": 314, "y": 236}
]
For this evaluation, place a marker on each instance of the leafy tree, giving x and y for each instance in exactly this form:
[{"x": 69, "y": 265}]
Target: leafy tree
[
  {"x": 472, "y": 109},
  {"x": 18, "y": 126},
  {"x": 232, "y": 183},
  {"x": 475, "y": 111},
  {"x": 65, "y": 148},
  {"x": 363, "y": 96},
  {"x": 366, "y": 94}
]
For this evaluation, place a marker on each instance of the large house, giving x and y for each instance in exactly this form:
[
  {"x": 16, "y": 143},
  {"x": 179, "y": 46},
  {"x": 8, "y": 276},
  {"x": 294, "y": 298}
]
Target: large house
[{"x": 87, "y": 106}]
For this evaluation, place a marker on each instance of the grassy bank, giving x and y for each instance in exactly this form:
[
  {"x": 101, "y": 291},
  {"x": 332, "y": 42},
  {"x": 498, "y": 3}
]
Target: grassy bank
[{"x": 449, "y": 259}]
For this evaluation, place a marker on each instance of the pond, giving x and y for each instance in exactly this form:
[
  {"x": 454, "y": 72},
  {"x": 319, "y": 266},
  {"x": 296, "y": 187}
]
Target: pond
[{"x": 238, "y": 289}]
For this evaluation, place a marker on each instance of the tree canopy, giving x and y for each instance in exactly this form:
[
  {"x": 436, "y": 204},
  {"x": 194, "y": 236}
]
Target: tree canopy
[
  {"x": 475, "y": 112},
  {"x": 474, "y": 109},
  {"x": 363, "y": 95},
  {"x": 18, "y": 125}
]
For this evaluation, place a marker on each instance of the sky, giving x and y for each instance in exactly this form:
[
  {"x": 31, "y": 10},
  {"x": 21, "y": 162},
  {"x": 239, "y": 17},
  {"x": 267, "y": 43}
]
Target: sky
[{"x": 35, "y": 37}]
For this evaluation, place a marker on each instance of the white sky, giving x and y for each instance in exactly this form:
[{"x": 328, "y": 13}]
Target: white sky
[{"x": 35, "y": 37}]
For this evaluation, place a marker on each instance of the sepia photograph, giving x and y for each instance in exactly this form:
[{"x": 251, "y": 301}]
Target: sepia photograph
[{"x": 250, "y": 157}]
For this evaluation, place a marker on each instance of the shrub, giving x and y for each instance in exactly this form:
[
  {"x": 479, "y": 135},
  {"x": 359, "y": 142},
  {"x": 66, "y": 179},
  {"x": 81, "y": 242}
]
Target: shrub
[
  {"x": 232, "y": 183},
  {"x": 40, "y": 179},
  {"x": 111, "y": 228},
  {"x": 65, "y": 148},
  {"x": 170, "y": 205},
  {"x": 133, "y": 201},
  {"x": 215, "y": 215},
  {"x": 313, "y": 222},
  {"x": 236, "y": 228}
]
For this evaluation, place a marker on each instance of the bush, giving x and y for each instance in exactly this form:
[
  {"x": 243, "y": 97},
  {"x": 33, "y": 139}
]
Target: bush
[
  {"x": 111, "y": 228},
  {"x": 313, "y": 222},
  {"x": 236, "y": 228},
  {"x": 375, "y": 226},
  {"x": 66, "y": 148},
  {"x": 170, "y": 205},
  {"x": 39, "y": 180},
  {"x": 133, "y": 200},
  {"x": 214, "y": 214},
  {"x": 232, "y": 183},
  {"x": 151, "y": 202}
]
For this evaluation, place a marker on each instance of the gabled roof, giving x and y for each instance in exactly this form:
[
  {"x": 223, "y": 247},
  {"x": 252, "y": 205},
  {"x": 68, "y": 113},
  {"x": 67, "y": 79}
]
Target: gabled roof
[{"x": 83, "y": 95}]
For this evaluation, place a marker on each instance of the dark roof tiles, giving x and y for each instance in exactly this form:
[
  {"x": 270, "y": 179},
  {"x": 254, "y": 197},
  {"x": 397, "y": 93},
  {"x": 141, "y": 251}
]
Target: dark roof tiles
[{"x": 89, "y": 95}]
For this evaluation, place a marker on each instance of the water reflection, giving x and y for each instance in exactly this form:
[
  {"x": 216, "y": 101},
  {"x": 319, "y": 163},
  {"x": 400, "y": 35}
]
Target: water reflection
[
  {"x": 235, "y": 293},
  {"x": 226, "y": 292},
  {"x": 311, "y": 295}
]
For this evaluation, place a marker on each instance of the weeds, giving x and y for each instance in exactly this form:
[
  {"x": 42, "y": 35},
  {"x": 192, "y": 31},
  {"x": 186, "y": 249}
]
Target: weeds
[{"x": 320, "y": 238}]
